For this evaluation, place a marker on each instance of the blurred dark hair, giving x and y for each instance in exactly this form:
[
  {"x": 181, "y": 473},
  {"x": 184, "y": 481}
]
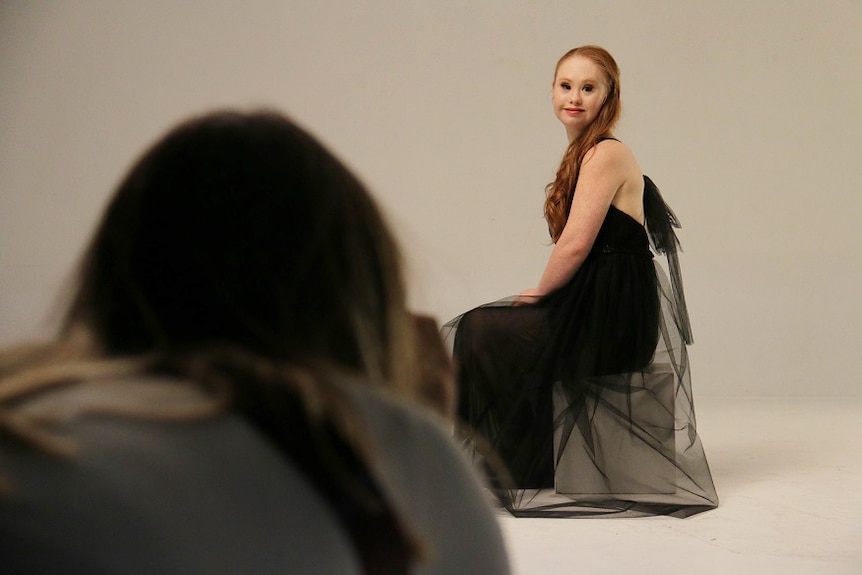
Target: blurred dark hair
[{"x": 241, "y": 229}]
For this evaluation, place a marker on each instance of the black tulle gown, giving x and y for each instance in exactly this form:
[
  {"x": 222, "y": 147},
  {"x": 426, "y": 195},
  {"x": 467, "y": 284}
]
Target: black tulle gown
[{"x": 581, "y": 404}]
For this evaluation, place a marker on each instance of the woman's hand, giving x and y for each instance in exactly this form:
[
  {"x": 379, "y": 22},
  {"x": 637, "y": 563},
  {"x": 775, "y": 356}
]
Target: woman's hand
[{"x": 528, "y": 297}]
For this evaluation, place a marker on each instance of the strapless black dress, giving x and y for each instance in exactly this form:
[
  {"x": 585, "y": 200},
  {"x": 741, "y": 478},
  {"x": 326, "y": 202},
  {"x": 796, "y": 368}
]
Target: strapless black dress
[{"x": 581, "y": 404}]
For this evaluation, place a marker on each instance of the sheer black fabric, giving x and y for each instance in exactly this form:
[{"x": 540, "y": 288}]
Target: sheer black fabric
[{"x": 581, "y": 404}]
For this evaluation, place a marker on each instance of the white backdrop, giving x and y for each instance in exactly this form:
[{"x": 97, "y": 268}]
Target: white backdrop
[{"x": 744, "y": 112}]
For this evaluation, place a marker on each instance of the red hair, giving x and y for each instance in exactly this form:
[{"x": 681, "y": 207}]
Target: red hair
[{"x": 560, "y": 192}]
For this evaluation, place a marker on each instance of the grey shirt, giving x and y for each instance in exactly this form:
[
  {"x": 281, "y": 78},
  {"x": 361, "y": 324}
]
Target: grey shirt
[{"x": 213, "y": 496}]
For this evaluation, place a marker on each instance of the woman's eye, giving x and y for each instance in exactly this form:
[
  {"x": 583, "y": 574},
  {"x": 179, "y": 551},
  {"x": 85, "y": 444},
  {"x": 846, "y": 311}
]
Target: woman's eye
[
  {"x": 588, "y": 88},
  {"x": 566, "y": 86}
]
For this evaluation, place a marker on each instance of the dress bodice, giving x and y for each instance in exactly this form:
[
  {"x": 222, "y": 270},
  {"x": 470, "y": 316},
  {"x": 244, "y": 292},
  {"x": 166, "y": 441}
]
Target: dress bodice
[{"x": 621, "y": 233}]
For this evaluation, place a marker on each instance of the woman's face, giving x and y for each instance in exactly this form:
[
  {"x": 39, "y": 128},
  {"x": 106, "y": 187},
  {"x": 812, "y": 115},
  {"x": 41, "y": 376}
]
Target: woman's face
[{"x": 580, "y": 90}]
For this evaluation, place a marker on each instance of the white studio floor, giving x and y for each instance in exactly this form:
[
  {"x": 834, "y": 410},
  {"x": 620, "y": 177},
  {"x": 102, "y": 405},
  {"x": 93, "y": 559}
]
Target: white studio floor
[{"x": 789, "y": 478}]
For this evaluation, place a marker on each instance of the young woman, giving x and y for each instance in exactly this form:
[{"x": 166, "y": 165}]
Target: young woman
[
  {"x": 577, "y": 392},
  {"x": 235, "y": 387}
]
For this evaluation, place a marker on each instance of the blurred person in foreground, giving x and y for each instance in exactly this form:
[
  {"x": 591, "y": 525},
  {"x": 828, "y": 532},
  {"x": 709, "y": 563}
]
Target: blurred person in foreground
[{"x": 237, "y": 384}]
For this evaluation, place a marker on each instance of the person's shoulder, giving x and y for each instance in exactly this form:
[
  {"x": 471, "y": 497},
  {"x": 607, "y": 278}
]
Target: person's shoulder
[
  {"x": 430, "y": 482},
  {"x": 390, "y": 416},
  {"x": 610, "y": 159},
  {"x": 610, "y": 151},
  {"x": 154, "y": 491}
]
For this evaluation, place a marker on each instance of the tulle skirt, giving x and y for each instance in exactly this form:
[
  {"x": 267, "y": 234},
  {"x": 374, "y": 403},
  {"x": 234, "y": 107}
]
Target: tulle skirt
[{"x": 581, "y": 404}]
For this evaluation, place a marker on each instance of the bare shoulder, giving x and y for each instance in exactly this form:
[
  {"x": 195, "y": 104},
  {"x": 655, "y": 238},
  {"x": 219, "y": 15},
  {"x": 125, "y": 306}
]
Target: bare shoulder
[
  {"x": 613, "y": 162},
  {"x": 611, "y": 154}
]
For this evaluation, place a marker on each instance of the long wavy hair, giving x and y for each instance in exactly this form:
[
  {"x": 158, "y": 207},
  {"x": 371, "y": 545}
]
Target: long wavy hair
[
  {"x": 559, "y": 193},
  {"x": 240, "y": 255}
]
